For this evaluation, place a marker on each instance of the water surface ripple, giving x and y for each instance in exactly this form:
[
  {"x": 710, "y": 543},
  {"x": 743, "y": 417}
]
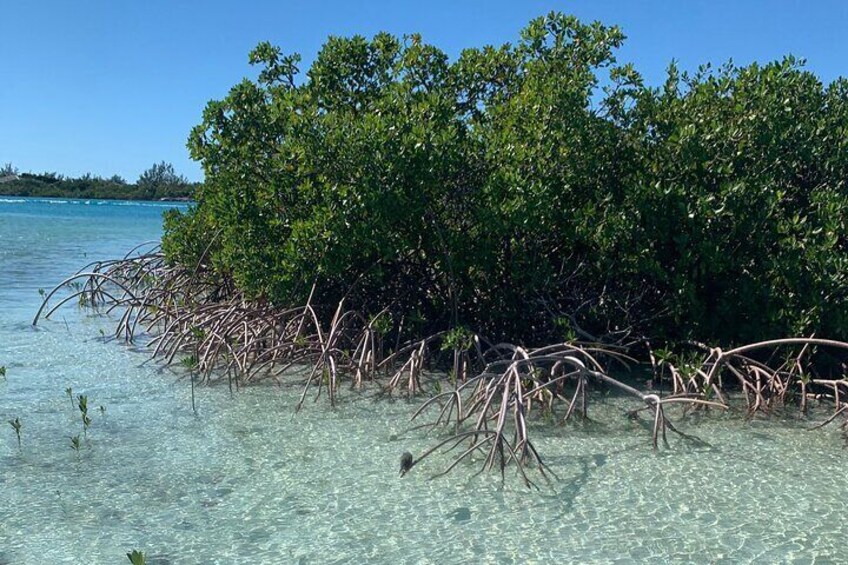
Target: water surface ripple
[{"x": 245, "y": 481}]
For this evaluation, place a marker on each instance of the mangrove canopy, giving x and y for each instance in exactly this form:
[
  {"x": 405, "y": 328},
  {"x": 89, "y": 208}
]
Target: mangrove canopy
[
  {"x": 529, "y": 221},
  {"x": 529, "y": 191}
]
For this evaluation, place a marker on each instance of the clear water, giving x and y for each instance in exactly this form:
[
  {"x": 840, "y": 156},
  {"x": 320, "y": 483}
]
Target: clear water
[{"x": 246, "y": 481}]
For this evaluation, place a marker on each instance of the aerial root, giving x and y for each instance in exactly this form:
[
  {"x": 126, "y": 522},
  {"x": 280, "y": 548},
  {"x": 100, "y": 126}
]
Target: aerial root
[{"x": 196, "y": 318}]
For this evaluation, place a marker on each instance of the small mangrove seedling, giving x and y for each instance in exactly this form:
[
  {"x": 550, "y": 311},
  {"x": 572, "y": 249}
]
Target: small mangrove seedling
[
  {"x": 136, "y": 557},
  {"x": 191, "y": 364},
  {"x": 76, "y": 444},
  {"x": 83, "y": 407},
  {"x": 3, "y": 371},
  {"x": 41, "y": 292},
  {"x": 16, "y": 425},
  {"x": 102, "y": 410},
  {"x": 70, "y": 392}
]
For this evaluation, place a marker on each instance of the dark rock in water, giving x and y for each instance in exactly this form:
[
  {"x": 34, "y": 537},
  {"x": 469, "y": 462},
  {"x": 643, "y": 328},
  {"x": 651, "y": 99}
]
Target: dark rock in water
[
  {"x": 461, "y": 514},
  {"x": 406, "y": 462}
]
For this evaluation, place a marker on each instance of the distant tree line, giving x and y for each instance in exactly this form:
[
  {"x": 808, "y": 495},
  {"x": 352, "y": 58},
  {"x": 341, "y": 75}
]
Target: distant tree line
[{"x": 159, "y": 182}]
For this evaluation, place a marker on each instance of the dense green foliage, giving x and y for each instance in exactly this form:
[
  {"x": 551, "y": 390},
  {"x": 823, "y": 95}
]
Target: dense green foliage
[
  {"x": 529, "y": 190},
  {"x": 159, "y": 182}
]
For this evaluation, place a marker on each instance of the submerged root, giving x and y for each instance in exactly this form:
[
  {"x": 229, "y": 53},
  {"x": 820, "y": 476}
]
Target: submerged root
[
  {"x": 489, "y": 413},
  {"x": 199, "y": 320}
]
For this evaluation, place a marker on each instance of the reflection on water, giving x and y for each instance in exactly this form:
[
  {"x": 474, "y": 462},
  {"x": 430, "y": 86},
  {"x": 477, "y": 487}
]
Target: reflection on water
[{"x": 245, "y": 481}]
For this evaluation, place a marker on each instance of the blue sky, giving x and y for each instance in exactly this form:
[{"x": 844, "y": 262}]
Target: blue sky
[{"x": 110, "y": 87}]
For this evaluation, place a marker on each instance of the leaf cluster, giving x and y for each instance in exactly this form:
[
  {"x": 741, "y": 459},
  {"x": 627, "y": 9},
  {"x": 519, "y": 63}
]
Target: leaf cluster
[{"x": 526, "y": 184}]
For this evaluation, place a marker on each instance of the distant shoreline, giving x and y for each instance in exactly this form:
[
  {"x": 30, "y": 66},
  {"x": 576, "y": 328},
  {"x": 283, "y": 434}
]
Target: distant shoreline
[
  {"x": 92, "y": 195},
  {"x": 179, "y": 200},
  {"x": 158, "y": 183}
]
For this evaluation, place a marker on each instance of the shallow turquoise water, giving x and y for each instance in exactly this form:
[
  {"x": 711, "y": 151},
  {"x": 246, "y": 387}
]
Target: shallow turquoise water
[{"x": 246, "y": 481}]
